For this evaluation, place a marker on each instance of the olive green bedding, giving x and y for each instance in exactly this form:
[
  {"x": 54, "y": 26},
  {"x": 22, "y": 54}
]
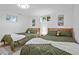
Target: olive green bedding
[
  {"x": 64, "y": 37},
  {"x": 42, "y": 49},
  {"x": 7, "y": 38},
  {"x": 59, "y": 38},
  {"x": 30, "y": 36},
  {"x": 52, "y": 33}
]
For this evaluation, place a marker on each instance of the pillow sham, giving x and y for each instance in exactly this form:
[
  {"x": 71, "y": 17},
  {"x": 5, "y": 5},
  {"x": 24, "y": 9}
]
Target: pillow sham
[
  {"x": 52, "y": 33},
  {"x": 65, "y": 33},
  {"x": 30, "y": 30}
]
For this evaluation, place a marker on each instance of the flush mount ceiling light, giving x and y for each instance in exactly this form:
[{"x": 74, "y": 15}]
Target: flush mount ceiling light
[{"x": 24, "y": 6}]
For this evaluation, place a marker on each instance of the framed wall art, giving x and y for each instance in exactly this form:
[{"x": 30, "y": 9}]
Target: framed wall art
[
  {"x": 60, "y": 20},
  {"x": 11, "y": 18}
]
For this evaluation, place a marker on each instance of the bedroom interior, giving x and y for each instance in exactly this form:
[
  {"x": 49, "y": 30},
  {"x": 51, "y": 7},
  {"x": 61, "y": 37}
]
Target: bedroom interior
[{"x": 39, "y": 29}]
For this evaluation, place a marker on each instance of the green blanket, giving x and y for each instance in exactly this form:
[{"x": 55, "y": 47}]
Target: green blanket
[
  {"x": 59, "y": 38},
  {"x": 42, "y": 49}
]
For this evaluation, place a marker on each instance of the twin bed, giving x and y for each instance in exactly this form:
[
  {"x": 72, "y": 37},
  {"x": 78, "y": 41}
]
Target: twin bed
[
  {"x": 14, "y": 40},
  {"x": 39, "y": 46}
]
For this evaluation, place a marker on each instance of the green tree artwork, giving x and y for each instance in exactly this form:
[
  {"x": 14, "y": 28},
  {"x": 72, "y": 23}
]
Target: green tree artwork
[{"x": 33, "y": 22}]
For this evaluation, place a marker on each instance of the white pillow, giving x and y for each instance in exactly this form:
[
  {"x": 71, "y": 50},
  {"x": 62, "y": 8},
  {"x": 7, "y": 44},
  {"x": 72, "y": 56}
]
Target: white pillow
[
  {"x": 38, "y": 41},
  {"x": 16, "y": 37}
]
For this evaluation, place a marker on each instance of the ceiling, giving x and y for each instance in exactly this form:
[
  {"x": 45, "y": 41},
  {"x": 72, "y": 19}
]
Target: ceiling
[{"x": 35, "y": 9}]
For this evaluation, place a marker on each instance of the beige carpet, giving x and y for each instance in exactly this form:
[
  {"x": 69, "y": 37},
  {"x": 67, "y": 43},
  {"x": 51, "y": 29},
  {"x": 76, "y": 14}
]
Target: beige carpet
[{"x": 7, "y": 51}]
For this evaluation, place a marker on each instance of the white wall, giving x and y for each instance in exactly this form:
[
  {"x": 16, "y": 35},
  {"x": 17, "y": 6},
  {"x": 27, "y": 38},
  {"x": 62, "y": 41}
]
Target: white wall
[
  {"x": 76, "y": 22},
  {"x": 68, "y": 20}
]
